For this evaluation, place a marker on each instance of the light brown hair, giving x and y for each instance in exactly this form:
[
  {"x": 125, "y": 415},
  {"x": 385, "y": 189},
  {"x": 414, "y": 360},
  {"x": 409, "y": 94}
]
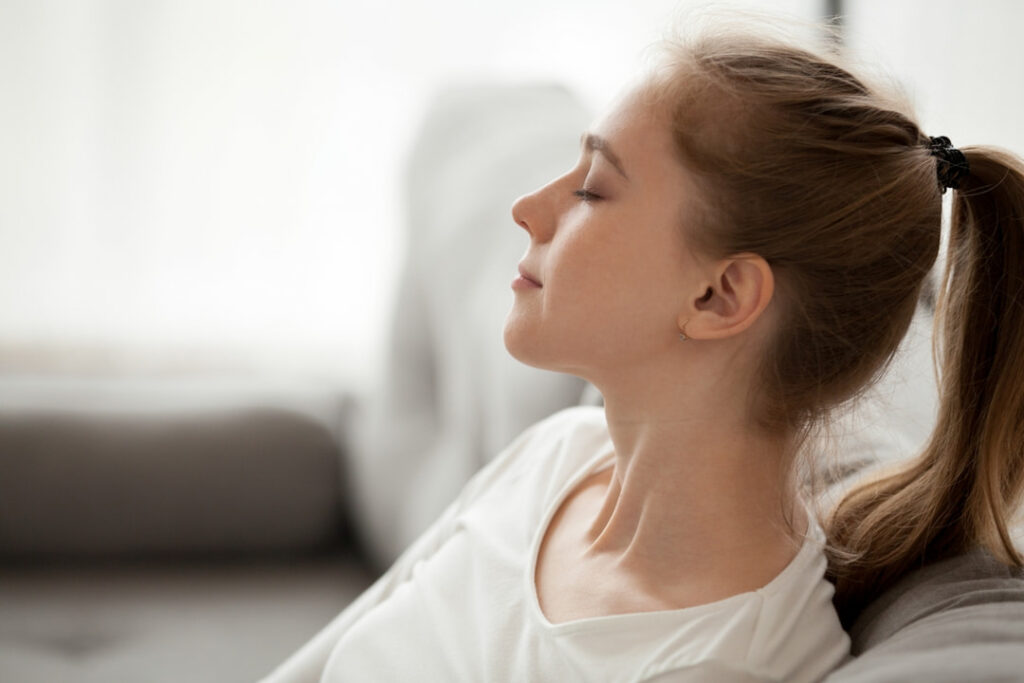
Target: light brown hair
[{"x": 833, "y": 184}]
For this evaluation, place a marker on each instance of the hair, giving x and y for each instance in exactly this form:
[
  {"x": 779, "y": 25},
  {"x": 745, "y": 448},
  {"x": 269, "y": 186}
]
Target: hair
[{"x": 835, "y": 187}]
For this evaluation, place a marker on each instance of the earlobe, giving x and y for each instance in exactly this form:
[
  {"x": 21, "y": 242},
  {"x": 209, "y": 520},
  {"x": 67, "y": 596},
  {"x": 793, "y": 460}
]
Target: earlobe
[{"x": 742, "y": 288}]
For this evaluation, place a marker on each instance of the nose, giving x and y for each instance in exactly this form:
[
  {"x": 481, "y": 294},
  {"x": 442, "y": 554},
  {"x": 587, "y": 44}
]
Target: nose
[
  {"x": 536, "y": 213},
  {"x": 521, "y": 208}
]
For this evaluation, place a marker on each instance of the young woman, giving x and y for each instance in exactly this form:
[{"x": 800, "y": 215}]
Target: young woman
[{"x": 738, "y": 251}]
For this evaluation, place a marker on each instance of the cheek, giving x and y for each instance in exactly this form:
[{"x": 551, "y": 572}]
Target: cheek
[
  {"x": 630, "y": 279},
  {"x": 626, "y": 259},
  {"x": 607, "y": 284},
  {"x": 596, "y": 296},
  {"x": 588, "y": 256}
]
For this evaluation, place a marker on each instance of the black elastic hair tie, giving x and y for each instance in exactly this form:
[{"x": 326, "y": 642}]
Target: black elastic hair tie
[{"x": 952, "y": 166}]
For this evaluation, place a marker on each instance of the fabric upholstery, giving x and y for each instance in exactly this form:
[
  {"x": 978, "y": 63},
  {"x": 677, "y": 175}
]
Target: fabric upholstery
[
  {"x": 957, "y": 620},
  {"x": 141, "y": 469}
]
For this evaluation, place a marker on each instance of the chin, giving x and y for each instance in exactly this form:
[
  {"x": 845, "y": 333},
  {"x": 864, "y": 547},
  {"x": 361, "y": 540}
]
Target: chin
[
  {"x": 523, "y": 344},
  {"x": 516, "y": 342},
  {"x": 528, "y": 348}
]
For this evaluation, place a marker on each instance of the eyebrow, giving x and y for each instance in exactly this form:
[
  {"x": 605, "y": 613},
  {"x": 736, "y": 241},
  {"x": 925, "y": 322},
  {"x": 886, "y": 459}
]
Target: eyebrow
[{"x": 596, "y": 143}]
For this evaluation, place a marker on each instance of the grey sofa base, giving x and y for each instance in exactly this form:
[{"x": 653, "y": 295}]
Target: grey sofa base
[{"x": 202, "y": 622}]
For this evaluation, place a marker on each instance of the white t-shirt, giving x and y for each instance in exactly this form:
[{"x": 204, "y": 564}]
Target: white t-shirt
[{"x": 461, "y": 603}]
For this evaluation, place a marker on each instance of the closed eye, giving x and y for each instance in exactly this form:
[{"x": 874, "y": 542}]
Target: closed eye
[{"x": 586, "y": 195}]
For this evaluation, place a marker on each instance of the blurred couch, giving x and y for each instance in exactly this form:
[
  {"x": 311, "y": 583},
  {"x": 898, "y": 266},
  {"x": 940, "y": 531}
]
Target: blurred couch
[
  {"x": 450, "y": 396},
  {"x": 168, "y": 530},
  {"x": 199, "y": 531}
]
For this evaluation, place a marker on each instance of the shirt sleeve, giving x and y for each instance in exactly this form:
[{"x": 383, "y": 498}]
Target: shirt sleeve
[{"x": 306, "y": 665}]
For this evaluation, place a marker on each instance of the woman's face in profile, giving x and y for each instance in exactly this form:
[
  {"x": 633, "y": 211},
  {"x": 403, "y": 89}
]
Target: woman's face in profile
[{"x": 606, "y": 245}]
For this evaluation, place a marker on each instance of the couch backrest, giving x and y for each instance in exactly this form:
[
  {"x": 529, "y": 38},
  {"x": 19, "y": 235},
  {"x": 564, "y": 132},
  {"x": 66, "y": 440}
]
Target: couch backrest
[{"x": 957, "y": 620}]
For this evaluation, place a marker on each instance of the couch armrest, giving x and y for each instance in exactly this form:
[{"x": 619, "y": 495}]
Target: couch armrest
[{"x": 160, "y": 468}]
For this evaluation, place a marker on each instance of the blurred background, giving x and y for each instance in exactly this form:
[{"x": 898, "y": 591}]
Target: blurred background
[
  {"x": 254, "y": 263},
  {"x": 214, "y": 186}
]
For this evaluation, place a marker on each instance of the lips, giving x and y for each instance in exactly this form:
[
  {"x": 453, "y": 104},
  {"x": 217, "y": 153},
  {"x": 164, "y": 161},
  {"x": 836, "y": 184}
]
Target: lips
[{"x": 527, "y": 276}]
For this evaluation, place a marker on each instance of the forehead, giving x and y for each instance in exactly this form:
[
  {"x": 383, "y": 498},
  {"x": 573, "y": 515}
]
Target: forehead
[{"x": 638, "y": 128}]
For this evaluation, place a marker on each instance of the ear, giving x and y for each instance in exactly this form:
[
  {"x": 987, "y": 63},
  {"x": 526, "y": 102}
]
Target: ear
[{"x": 731, "y": 300}]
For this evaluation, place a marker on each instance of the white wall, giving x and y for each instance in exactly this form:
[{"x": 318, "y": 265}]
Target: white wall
[
  {"x": 961, "y": 62},
  {"x": 190, "y": 184}
]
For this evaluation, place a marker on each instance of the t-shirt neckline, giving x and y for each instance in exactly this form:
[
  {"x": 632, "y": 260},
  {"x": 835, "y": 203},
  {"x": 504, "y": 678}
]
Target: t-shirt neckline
[{"x": 609, "y": 621}]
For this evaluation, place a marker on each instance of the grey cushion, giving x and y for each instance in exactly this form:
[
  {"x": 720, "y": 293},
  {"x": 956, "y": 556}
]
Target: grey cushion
[
  {"x": 957, "y": 620},
  {"x": 158, "y": 469}
]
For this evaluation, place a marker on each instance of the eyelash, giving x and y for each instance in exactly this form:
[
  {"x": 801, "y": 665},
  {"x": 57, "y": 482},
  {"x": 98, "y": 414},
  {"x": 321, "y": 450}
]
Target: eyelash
[{"x": 586, "y": 195}]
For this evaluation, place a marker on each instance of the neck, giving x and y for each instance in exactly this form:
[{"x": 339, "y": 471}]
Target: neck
[{"x": 692, "y": 489}]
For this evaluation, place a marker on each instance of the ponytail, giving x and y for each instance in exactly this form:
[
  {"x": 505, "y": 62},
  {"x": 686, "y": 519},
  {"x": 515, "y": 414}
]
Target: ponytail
[{"x": 963, "y": 489}]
